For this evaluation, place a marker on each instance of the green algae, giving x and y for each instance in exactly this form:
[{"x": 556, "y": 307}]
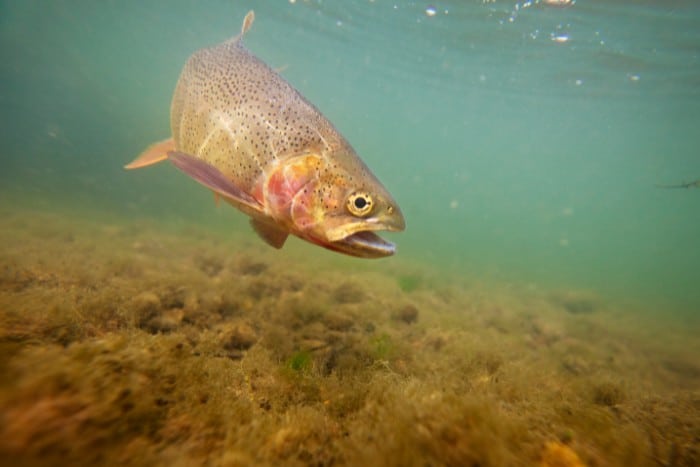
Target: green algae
[
  {"x": 408, "y": 282},
  {"x": 381, "y": 346},
  {"x": 114, "y": 350},
  {"x": 300, "y": 361}
]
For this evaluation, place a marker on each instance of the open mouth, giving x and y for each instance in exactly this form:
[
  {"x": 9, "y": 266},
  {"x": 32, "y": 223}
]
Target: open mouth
[
  {"x": 365, "y": 244},
  {"x": 358, "y": 238}
]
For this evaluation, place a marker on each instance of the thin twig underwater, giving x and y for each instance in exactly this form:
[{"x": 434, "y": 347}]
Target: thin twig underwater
[{"x": 693, "y": 184}]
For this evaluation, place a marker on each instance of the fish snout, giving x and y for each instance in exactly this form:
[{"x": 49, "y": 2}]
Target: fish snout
[
  {"x": 397, "y": 222},
  {"x": 391, "y": 219}
]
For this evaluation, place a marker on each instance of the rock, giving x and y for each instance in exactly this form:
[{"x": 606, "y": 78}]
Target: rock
[
  {"x": 173, "y": 297},
  {"x": 146, "y": 302},
  {"x": 312, "y": 344},
  {"x": 209, "y": 265},
  {"x": 337, "y": 321},
  {"x": 576, "y": 302},
  {"x": 608, "y": 394},
  {"x": 557, "y": 454},
  {"x": 407, "y": 313},
  {"x": 575, "y": 365},
  {"x": 239, "y": 336},
  {"x": 164, "y": 322},
  {"x": 250, "y": 267},
  {"x": 348, "y": 292},
  {"x": 146, "y": 306}
]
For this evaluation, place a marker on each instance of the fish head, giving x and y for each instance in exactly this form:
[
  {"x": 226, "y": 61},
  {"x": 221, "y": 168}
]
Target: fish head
[{"x": 338, "y": 207}]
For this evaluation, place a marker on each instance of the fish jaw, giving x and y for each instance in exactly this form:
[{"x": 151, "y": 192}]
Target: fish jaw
[
  {"x": 309, "y": 201},
  {"x": 355, "y": 238},
  {"x": 362, "y": 244}
]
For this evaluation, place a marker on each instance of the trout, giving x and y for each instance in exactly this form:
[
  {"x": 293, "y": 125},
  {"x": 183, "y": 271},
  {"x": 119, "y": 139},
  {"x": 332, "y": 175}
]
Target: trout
[{"x": 244, "y": 132}]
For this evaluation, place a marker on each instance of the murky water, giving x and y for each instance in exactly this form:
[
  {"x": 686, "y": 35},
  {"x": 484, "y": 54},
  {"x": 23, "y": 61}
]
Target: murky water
[{"x": 524, "y": 142}]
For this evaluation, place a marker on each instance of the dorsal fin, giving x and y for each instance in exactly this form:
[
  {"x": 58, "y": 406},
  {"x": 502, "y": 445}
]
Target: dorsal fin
[
  {"x": 247, "y": 22},
  {"x": 245, "y": 27}
]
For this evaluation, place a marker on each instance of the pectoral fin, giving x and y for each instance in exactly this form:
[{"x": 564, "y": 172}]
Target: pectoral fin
[
  {"x": 209, "y": 176},
  {"x": 155, "y": 153},
  {"x": 270, "y": 233}
]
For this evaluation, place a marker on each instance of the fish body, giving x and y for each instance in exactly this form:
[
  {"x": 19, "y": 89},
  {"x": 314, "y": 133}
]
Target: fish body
[{"x": 243, "y": 131}]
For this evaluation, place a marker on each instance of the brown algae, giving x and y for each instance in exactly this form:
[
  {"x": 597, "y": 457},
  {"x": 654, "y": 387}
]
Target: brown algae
[{"x": 114, "y": 349}]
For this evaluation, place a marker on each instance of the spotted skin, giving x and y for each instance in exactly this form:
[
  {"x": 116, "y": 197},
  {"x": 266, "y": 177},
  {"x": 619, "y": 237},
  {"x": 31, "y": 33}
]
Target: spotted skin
[{"x": 233, "y": 112}]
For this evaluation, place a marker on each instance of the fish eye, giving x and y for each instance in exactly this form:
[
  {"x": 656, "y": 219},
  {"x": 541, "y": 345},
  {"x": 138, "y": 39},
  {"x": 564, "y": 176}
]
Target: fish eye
[{"x": 360, "y": 204}]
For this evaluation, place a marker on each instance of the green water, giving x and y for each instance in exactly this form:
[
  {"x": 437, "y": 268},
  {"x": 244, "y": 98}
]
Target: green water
[{"x": 523, "y": 142}]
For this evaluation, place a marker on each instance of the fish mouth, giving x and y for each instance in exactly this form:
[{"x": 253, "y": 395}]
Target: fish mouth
[
  {"x": 359, "y": 238},
  {"x": 364, "y": 244}
]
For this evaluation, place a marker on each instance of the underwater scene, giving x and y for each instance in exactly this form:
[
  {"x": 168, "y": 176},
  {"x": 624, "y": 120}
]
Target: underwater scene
[{"x": 460, "y": 233}]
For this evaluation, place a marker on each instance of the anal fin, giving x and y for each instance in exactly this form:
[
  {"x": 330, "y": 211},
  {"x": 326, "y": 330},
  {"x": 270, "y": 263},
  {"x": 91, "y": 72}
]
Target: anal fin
[
  {"x": 270, "y": 233},
  {"x": 153, "y": 154}
]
